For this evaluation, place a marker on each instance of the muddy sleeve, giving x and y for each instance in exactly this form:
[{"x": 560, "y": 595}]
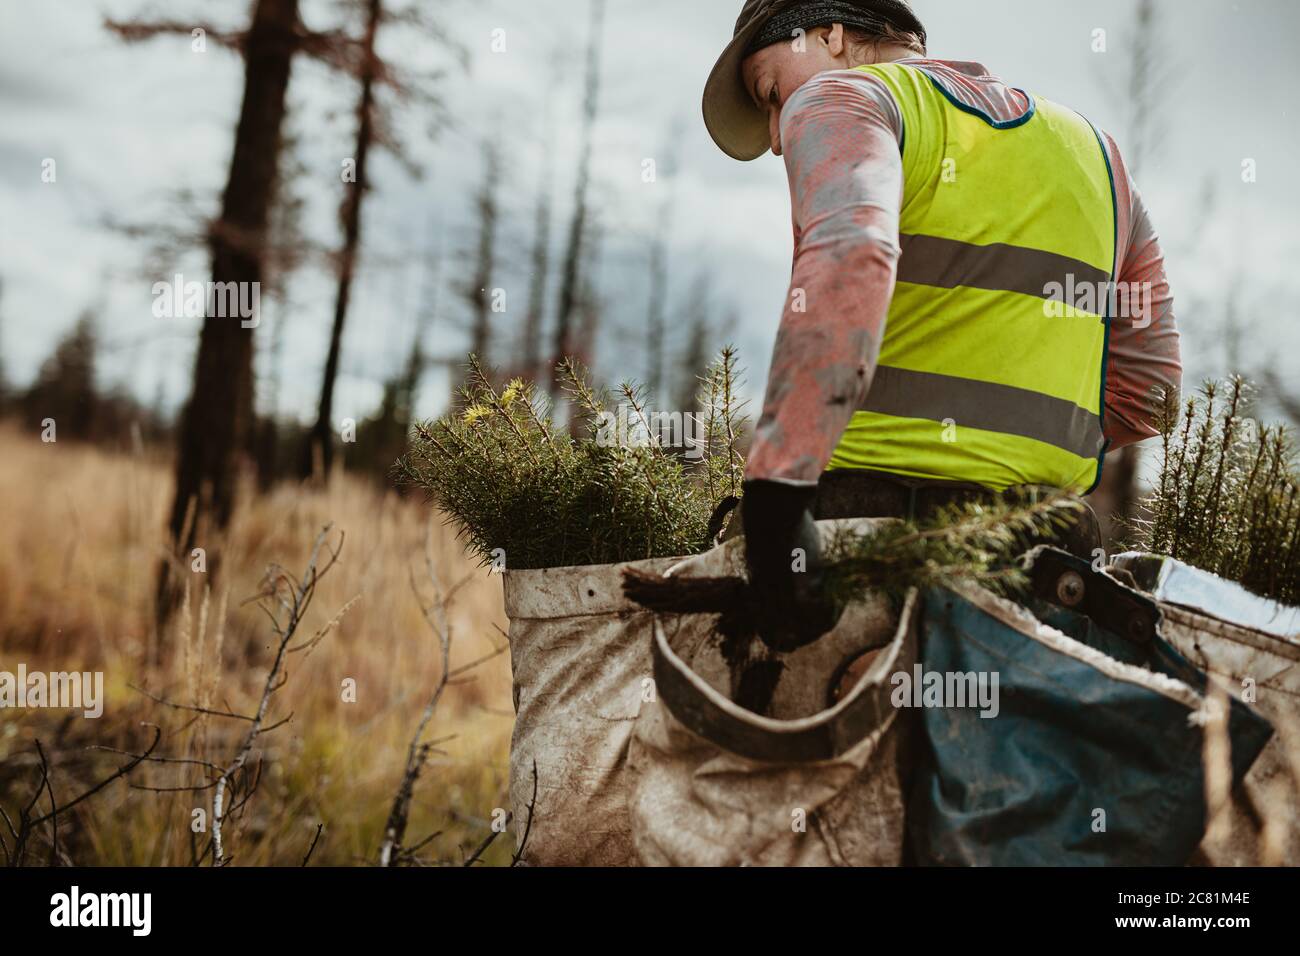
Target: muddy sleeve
[{"x": 840, "y": 139}]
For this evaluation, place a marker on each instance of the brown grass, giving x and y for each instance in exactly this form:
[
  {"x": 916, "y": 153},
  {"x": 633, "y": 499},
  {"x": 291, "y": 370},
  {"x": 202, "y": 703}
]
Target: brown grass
[
  {"x": 81, "y": 531},
  {"x": 82, "y": 534}
]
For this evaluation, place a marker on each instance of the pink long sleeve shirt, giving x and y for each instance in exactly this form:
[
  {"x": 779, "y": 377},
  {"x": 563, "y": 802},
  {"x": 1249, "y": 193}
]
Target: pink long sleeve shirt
[{"x": 840, "y": 136}]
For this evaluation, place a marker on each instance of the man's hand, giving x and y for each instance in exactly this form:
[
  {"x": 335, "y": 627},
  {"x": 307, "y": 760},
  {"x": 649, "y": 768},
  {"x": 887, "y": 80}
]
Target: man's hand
[{"x": 786, "y": 575}]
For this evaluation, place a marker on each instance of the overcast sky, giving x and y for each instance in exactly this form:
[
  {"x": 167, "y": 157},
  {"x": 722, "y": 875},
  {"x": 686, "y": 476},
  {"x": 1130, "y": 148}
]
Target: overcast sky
[{"x": 142, "y": 135}]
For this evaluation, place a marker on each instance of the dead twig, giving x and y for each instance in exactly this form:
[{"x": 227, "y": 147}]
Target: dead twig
[
  {"x": 293, "y": 597},
  {"x": 312, "y": 849},
  {"x": 29, "y": 823},
  {"x": 482, "y": 847},
  {"x": 189, "y": 707},
  {"x": 528, "y": 824},
  {"x": 435, "y": 615}
]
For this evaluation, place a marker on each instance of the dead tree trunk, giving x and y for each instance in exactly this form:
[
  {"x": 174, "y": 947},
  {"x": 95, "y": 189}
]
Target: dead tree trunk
[
  {"x": 590, "y": 308},
  {"x": 479, "y": 292},
  {"x": 541, "y": 261},
  {"x": 320, "y": 438},
  {"x": 656, "y": 318},
  {"x": 216, "y": 416},
  {"x": 570, "y": 285},
  {"x": 693, "y": 360}
]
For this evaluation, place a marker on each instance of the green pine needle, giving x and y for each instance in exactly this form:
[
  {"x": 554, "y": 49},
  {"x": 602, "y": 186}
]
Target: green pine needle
[
  {"x": 974, "y": 541},
  {"x": 547, "y": 496},
  {"x": 1226, "y": 498}
]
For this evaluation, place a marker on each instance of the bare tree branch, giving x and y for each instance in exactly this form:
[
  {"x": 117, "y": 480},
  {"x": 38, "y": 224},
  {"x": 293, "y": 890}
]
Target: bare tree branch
[
  {"x": 391, "y": 851},
  {"x": 189, "y": 707},
  {"x": 132, "y": 31},
  {"x": 121, "y": 772},
  {"x": 482, "y": 847},
  {"x": 312, "y": 849},
  {"x": 294, "y": 599},
  {"x": 29, "y": 824},
  {"x": 528, "y": 824}
]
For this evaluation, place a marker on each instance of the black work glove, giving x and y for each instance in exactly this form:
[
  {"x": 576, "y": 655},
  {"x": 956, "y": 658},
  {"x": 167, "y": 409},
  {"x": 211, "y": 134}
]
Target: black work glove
[{"x": 791, "y": 608}]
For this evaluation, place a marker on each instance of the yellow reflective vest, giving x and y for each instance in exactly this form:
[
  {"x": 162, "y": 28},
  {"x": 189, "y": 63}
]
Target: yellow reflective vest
[{"x": 988, "y": 372}]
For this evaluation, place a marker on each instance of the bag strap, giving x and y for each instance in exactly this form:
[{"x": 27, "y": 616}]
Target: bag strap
[
  {"x": 824, "y": 736},
  {"x": 1060, "y": 578}
]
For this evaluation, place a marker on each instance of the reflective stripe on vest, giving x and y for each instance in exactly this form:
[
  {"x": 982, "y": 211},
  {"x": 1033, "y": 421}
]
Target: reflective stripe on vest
[{"x": 992, "y": 365}]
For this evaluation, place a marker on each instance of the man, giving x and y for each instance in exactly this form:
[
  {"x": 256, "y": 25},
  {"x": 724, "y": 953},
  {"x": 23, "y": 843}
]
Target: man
[{"x": 978, "y": 300}]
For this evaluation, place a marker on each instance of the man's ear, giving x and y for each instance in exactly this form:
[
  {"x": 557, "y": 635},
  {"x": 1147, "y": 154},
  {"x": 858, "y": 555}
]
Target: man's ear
[{"x": 835, "y": 39}]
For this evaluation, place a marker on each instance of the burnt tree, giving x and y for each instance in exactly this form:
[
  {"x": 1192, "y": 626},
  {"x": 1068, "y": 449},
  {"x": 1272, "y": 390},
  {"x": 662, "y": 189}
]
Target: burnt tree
[
  {"x": 215, "y": 419},
  {"x": 570, "y": 281},
  {"x": 540, "y": 263},
  {"x": 477, "y": 291},
  {"x": 320, "y": 439},
  {"x": 375, "y": 130}
]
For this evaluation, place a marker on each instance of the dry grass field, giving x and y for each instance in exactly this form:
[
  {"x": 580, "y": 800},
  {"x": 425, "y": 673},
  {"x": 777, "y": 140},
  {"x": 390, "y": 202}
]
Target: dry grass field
[{"x": 82, "y": 535}]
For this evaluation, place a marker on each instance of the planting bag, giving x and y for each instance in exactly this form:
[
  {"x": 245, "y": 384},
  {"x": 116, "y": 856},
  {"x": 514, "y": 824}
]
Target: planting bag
[
  {"x": 1209, "y": 621},
  {"x": 1173, "y": 583},
  {"x": 630, "y": 745},
  {"x": 586, "y": 678},
  {"x": 715, "y": 784},
  {"x": 580, "y": 660},
  {"x": 1264, "y": 825},
  {"x": 785, "y": 778},
  {"x": 1267, "y": 670},
  {"x": 1095, "y": 754}
]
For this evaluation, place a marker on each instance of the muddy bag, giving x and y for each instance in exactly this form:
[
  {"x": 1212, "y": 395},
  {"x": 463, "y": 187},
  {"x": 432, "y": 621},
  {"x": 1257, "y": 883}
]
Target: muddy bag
[
  {"x": 721, "y": 778},
  {"x": 1094, "y": 755},
  {"x": 580, "y": 662},
  {"x": 585, "y": 676},
  {"x": 1252, "y": 647}
]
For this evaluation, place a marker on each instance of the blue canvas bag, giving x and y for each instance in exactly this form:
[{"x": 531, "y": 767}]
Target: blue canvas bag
[{"x": 1093, "y": 753}]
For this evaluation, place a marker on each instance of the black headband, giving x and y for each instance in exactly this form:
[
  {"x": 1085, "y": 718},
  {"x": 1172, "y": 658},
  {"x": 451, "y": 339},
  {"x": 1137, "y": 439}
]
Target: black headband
[{"x": 819, "y": 13}]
